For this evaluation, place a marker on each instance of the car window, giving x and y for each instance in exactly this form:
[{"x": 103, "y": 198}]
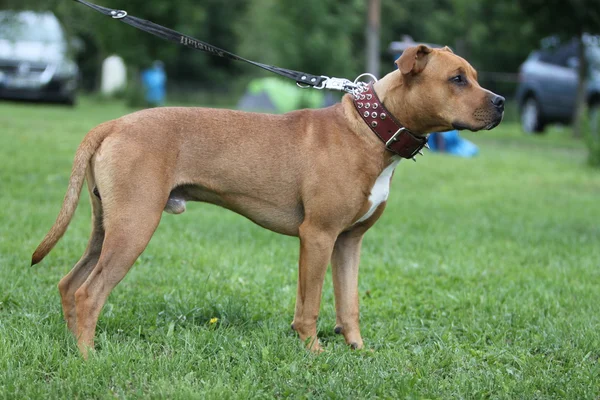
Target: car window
[
  {"x": 30, "y": 26},
  {"x": 547, "y": 56},
  {"x": 560, "y": 55}
]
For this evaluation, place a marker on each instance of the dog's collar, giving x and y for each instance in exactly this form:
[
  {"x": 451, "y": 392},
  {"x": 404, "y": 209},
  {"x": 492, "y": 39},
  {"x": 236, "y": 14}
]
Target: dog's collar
[{"x": 396, "y": 138}]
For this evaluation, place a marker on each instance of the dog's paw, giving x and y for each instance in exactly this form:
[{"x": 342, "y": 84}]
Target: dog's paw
[
  {"x": 315, "y": 347},
  {"x": 356, "y": 346}
]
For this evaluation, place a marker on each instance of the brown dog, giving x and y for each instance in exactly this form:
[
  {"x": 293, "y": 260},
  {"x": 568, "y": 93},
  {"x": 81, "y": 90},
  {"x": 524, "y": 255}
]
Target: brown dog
[{"x": 321, "y": 175}]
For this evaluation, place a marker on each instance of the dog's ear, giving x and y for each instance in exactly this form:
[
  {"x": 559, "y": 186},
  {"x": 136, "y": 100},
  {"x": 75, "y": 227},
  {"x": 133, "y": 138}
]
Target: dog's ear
[
  {"x": 446, "y": 48},
  {"x": 414, "y": 59}
]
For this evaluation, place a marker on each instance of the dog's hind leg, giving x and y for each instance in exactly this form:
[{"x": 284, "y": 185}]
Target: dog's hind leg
[
  {"x": 73, "y": 280},
  {"x": 130, "y": 221}
]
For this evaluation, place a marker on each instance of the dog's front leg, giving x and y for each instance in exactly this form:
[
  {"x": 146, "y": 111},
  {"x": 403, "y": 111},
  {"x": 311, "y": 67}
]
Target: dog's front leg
[
  {"x": 316, "y": 246},
  {"x": 344, "y": 264}
]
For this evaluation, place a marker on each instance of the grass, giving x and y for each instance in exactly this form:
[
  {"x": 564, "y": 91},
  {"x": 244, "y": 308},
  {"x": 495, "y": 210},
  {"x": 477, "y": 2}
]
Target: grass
[{"x": 479, "y": 281}]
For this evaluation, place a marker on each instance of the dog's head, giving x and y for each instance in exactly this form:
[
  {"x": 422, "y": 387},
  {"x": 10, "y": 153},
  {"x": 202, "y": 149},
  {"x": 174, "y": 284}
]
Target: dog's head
[{"x": 440, "y": 92}]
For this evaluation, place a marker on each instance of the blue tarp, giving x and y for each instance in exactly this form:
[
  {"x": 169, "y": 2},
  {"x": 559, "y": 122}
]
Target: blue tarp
[{"x": 453, "y": 144}]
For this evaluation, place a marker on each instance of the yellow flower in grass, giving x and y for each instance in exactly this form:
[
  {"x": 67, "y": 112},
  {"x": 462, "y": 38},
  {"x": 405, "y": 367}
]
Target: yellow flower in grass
[{"x": 214, "y": 320}]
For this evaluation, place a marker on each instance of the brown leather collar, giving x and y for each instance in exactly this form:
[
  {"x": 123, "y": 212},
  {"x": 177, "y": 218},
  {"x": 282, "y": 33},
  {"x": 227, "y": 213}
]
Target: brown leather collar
[{"x": 396, "y": 138}]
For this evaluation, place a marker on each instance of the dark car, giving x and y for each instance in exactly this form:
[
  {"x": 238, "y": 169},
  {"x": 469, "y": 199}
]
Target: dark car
[
  {"x": 548, "y": 84},
  {"x": 35, "y": 59}
]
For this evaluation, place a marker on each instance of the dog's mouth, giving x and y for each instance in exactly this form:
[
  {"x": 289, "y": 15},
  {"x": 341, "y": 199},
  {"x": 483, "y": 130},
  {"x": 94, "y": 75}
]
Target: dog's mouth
[
  {"x": 492, "y": 125},
  {"x": 460, "y": 126},
  {"x": 495, "y": 123}
]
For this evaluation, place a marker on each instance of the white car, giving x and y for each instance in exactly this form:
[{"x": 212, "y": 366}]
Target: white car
[{"x": 35, "y": 59}]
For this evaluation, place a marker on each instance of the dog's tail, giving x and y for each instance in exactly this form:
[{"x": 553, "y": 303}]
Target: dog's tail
[{"x": 84, "y": 153}]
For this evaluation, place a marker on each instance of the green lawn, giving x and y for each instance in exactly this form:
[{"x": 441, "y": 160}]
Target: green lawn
[{"x": 481, "y": 280}]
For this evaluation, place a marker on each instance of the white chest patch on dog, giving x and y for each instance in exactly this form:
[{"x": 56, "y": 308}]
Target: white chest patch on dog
[{"x": 380, "y": 190}]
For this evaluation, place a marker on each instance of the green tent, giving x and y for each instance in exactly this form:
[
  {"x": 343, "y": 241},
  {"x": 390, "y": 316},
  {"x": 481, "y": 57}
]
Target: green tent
[{"x": 280, "y": 96}]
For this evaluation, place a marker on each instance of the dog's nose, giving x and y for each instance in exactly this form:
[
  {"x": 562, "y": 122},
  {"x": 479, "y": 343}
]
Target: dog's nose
[{"x": 498, "y": 101}]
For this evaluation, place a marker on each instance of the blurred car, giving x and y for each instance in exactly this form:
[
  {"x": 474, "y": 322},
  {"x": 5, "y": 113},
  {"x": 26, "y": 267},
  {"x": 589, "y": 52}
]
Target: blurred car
[
  {"x": 35, "y": 58},
  {"x": 548, "y": 80}
]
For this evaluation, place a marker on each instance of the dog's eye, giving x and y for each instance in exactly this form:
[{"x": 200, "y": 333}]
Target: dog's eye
[{"x": 459, "y": 79}]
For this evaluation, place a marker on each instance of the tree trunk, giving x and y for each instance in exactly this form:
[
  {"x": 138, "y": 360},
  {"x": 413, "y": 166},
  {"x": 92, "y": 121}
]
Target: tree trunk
[
  {"x": 373, "y": 37},
  {"x": 580, "y": 105}
]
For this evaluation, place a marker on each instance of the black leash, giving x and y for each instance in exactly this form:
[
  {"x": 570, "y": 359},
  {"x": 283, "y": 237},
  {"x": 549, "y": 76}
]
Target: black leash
[{"x": 302, "y": 79}]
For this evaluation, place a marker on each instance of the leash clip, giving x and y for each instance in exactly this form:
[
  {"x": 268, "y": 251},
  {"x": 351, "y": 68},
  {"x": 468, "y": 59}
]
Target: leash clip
[
  {"x": 358, "y": 86},
  {"x": 358, "y": 81},
  {"x": 341, "y": 84},
  {"x": 331, "y": 83},
  {"x": 118, "y": 14}
]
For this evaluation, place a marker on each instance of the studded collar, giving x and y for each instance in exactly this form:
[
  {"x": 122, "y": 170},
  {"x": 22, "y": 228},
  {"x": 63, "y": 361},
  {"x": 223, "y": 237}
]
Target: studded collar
[{"x": 396, "y": 138}]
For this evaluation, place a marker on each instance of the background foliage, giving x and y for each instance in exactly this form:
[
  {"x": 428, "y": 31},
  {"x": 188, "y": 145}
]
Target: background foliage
[{"x": 318, "y": 36}]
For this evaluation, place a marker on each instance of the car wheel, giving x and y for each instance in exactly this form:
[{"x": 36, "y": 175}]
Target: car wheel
[
  {"x": 69, "y": 101},
  {"x": 531, "y": 120}
]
